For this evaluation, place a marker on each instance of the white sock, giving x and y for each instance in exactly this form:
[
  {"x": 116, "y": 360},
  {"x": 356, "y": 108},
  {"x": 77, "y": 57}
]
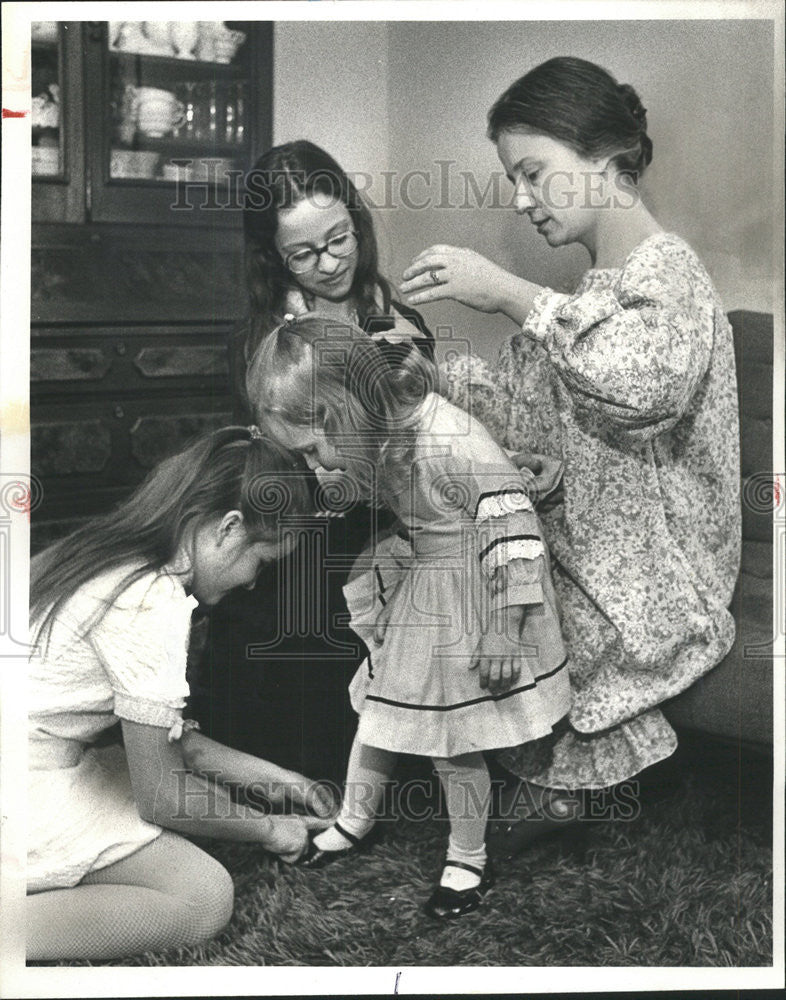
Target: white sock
[
  {"x": 332, "y": 840},
  {"x": 460, "y": 878},
  {"x": 467, "y": 788},
  {"x": 368, "y": 769}
]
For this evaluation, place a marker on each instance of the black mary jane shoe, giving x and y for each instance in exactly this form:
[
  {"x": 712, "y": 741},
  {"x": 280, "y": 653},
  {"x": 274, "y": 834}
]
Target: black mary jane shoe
[
  {"x": 448, "y": 904},
  {"x": 317, "y": 858}
]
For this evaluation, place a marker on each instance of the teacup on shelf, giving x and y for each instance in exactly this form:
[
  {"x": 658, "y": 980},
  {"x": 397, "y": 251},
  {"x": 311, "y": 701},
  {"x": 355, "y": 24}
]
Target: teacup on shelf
[
  {"x": 217, "y": 43},
  {"x": 44, "y": 31},
  {"x": 184, "y": 35},
  {"x": 154, "y": 112}
]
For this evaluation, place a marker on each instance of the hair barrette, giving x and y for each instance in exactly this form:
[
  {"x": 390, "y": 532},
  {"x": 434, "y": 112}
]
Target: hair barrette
[{"x": 255, "y": 433}]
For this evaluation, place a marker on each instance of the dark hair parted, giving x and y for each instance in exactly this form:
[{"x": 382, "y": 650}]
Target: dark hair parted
[
  {"x": 233, "y": 468},
  {"x": 363, "y": 394},
  {"x": 282, "y": 177},
  {"x": 581, "y": 105}
]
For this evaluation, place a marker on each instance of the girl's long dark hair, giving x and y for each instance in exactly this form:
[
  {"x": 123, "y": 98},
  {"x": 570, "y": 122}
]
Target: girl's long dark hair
[
  {"x": 230, "y": 469},
  {"x": 314, "y": 372},
  {"x": 282, "y": 177}
]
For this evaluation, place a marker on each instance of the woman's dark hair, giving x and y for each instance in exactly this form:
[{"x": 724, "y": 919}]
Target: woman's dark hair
[
  {"x": 582, "y": 105},
  {"x": 281, "y": 178},
  {"x": 233, "y": 468}
]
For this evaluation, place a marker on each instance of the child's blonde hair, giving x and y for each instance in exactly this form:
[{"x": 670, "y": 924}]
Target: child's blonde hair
[{"x": 363, "y": 394}]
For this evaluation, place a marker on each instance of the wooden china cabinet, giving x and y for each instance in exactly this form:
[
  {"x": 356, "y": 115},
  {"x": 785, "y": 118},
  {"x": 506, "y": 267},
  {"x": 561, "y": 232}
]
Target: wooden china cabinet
[{"x": 141, "y": 134}]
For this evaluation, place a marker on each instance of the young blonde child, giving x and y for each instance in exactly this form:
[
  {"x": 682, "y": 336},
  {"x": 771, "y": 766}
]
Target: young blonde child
[
  {"x": 463, "y": 585},
  {"x": 109, "y": 873}
]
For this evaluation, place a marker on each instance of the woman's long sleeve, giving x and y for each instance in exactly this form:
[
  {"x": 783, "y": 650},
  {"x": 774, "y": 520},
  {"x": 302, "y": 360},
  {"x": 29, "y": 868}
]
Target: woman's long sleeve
[{"x": 630, "y": 356}]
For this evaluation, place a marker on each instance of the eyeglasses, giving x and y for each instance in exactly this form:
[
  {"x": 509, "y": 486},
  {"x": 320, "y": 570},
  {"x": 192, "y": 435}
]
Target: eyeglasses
[{"x": 305, "y": 260}]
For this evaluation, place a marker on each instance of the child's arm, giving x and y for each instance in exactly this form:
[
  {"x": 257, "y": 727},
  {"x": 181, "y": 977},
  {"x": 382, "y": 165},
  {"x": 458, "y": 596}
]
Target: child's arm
[
  {"x": 170, "y": 795},
  {"x": 512, "y": 559},
  {"x": 254, "y": 775}
]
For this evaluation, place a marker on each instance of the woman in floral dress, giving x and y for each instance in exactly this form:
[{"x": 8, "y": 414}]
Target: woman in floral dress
[{"x": 630, "y": 382}]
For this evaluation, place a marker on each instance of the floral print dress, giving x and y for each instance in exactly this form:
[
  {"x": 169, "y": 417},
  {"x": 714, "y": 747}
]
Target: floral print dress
[{"x": 631, "y": 382}]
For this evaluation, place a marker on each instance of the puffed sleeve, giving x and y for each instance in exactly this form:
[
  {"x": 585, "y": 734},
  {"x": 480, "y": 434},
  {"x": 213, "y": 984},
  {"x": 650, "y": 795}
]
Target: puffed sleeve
[
  {"x": 142, "y": 642},
  {"x": 469, "y": 382},
  {"x": 632, "y": 356}
]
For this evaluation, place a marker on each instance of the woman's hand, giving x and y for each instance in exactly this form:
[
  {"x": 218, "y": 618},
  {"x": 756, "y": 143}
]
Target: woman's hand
[
  {"x": 549, "y": 490},
  {"x": 446, "y": 272},
  {"x": 498, "y": 656}
]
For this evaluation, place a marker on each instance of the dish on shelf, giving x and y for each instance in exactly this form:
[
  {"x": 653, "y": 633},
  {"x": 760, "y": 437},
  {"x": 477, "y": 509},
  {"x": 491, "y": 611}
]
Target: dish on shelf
[
  {"x": 207, "y": 41},
  {"x": 133, "y": 163},
  {"x": 45, "y": 109},
  {"x": 45, "y": 160},
  {"x": 44, "y": 31},
  {"x": 199, "y": 169}
]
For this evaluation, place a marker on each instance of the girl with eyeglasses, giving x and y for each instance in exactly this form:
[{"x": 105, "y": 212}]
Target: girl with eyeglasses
[
  {"x": 275, "y": 662},
  {"x": 310, "y": 246}
]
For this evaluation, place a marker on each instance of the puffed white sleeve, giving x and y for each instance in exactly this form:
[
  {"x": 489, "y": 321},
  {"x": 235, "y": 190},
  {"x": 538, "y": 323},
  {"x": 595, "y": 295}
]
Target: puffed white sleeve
[
  {"x": 631, "y": 356},
  {"x": 142, "y": 644}
]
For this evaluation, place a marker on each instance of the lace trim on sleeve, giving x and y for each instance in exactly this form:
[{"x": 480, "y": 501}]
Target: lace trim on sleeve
[
  {"x": 501, "y": 504},
  {"x": 504, "y": 550}
]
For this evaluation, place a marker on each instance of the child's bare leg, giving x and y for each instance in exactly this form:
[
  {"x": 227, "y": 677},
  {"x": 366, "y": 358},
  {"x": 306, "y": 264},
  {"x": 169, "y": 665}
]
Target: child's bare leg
[
  {"x": 168, "y": 894},
  {"x": 368, "y": 770},
  {"x": 467, "y": 789}
]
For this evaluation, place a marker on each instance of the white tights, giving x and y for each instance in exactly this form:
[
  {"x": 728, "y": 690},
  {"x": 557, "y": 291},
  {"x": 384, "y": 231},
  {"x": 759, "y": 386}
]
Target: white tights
[
  {"x": 466, "y": 786},
  {"x": 168, "y": 894}
]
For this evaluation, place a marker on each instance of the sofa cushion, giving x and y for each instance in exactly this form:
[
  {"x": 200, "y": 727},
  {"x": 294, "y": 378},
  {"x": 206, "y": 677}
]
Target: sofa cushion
[
  {"x": 735, "y": 699},
  {"x": 753, "y": 354}
]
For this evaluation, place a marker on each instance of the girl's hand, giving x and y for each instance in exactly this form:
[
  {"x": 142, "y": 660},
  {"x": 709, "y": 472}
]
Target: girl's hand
[
  {"x": 461, "y": 274},
  {"x": 498, "y": 655},
  {"x": 314, "y": 798},
  {"x": 288, "y": 837}
]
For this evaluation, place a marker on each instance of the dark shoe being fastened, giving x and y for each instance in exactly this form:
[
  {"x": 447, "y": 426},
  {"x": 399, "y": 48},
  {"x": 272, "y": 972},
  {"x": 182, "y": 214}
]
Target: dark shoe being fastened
[
  {"x": 448, "y": 904},
  {"x": 315, "y": 857}
]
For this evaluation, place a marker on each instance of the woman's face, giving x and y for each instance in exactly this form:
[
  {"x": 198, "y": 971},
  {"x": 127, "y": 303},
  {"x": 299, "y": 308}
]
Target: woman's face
[
  {"x": 560, "y": 191},
  {"x": 309, "y": 225}
]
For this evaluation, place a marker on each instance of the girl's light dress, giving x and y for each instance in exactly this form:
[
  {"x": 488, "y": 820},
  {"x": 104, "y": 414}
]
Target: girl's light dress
[
  {"x": 132, "y": 665},
  {"x": 469, "y": 542}
]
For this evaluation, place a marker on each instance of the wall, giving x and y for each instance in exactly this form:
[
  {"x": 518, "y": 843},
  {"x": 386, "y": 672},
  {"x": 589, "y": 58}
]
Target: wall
[{"x": 400, "y": 96}]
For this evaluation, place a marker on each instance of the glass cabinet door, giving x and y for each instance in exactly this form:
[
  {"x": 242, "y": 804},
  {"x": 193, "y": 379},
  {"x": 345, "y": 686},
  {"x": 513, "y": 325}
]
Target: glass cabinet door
[
  {"x": 177, "y": 118},
  {"x": 57, "y": 158}
]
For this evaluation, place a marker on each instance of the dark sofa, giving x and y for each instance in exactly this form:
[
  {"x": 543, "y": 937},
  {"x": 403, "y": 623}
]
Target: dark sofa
[{"x": 735, "y": 700}]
